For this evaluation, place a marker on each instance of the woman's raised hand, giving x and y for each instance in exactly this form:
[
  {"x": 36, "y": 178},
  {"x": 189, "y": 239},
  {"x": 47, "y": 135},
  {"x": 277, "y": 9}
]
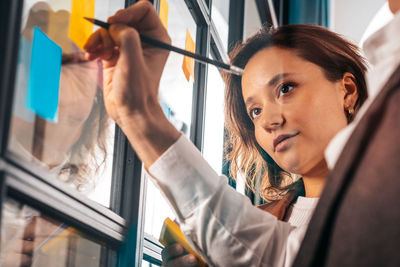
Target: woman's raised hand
[{"x": 132, "y": 73}]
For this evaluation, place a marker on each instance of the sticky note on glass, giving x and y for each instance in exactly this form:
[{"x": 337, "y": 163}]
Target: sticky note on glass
[
  {"x": 171, "y": 234},
  {"x": 44, "y": 76},
  {"x": 188, "y": 62},
  {"x": 79, "y": 28},
  {"x": 60, "y": 235},
  {"x": 164, "y": 13}
]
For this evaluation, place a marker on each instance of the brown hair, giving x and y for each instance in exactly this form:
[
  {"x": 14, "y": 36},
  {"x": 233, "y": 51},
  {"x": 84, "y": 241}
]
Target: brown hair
[
  {"x": 315, "y": 44},
  {"x": 88, "y": 155}
]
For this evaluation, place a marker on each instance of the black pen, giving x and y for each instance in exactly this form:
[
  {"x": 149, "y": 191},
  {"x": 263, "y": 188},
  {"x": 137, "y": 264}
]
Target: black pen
[{"x": 145, "y": 39}]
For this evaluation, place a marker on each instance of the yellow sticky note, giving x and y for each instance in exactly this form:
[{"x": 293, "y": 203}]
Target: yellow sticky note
[
  {"x": 80, "y": 29},
  {"x": 60, "y": 237},
  {"x": 171, "y": 234},
  {"x": 188, "y": 62},
  {"x": 164, "y": 13}
]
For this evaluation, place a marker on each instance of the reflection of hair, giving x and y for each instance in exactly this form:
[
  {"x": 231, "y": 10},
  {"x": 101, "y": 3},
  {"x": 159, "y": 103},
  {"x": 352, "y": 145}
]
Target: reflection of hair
[
  {"x": 315, "y": 44},
  {"x": 88, "y": 154}
]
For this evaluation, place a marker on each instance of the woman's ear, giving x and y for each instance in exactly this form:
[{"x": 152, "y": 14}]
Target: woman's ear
[{"x": 350, "y": 91}]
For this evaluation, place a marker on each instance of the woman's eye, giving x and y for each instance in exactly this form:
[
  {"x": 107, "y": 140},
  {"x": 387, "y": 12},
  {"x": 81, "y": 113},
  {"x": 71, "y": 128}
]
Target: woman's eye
[
  {"x": 285, "y": 88},
  {"x": 254, "y": 113}
]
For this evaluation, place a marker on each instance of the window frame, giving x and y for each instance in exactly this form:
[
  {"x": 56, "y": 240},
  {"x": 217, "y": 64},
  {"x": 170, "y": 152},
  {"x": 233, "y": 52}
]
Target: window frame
[
  {"x": 25, "y": 183},
  {"x": 30, "y": 185},
  {"x": 207, "y": 42}
]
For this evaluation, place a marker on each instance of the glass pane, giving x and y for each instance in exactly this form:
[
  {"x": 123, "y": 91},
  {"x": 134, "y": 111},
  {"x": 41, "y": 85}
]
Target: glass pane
[
  {"x": 29, "y": 238},
  {"x": 175, "y": 97},
  {"x": 59, "y": 122},
  {"x": 157, "y": 209},
  {"x": 175, "y": 87},
  {"x": 220, "y": 18},
  {"x": 214, "y": 120}
]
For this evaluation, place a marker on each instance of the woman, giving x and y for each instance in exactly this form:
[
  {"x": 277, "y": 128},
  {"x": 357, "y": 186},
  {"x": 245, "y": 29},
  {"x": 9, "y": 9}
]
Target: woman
[
  {"x": 297, "y": 91},
  {"x": 301, "y": 85}
]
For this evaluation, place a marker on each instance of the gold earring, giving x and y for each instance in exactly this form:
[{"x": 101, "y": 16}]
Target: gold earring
[{"x": 351, "y": 111}]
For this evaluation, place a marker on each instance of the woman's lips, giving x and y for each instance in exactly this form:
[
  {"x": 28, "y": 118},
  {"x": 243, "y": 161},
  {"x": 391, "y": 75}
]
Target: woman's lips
[{"x": 283, "y": 141}]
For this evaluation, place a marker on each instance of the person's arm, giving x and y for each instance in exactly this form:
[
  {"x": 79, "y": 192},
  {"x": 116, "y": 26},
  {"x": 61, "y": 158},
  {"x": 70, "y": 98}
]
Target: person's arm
[{"x": 221, "y": 223}]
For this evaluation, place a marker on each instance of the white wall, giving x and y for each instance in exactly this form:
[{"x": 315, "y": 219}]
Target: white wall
[
  {"x": 351, "y": 17},
  {"x": 347, "y": 17}
]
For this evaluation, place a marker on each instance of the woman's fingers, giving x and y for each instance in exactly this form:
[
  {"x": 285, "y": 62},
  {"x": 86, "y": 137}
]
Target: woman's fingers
[
  {"x": 131, "y": 72},
  {"x": 128, "y": 41},
  {"x": 144, "y": 18},
  {"x": 93, "y": 42},
  {"x": 174, "y": 255},
  {"x": 183, "y": 261},
  {"x": 141, "y": 15},
  {"x": 101, "y": 45},
  {"x": 107, "y": 45},
  {"x": 172, "y": 251}
]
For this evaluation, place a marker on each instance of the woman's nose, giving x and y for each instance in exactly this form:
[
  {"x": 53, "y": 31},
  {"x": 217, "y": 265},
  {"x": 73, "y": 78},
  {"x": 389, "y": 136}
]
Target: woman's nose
[{"x": 272, "y": 119}]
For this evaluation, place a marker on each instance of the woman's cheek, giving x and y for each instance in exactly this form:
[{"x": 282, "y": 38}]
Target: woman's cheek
[{"x": 264, "y": 141}]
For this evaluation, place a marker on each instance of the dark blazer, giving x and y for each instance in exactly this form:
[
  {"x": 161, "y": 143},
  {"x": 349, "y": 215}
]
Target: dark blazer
[{"x": 357, "y": 219}]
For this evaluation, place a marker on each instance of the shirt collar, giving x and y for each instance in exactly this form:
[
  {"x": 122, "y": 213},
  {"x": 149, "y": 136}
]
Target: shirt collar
[{"x": 384, "y": 42}]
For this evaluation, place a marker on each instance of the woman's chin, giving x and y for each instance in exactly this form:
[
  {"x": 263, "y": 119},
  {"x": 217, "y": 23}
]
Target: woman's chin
[
  {"x": 304, "y": 168},
  {"x": 290, "y": 164}
]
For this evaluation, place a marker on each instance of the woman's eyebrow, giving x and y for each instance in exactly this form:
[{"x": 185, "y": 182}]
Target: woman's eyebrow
[
  {"x": 249, "y": 101},
  {"x": 277, "y": 78},
  {"x": 271, "y": 83}
]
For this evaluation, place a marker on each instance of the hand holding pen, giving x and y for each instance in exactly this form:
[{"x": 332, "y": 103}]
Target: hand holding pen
[
  {"x": 154, "y": 42},
  {"x": 132, "y": 74}
]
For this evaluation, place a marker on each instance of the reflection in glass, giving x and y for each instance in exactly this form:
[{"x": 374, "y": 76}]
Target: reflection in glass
[
  {"x": 29, "y": 238},
  {"x": 74, "y": 143}
]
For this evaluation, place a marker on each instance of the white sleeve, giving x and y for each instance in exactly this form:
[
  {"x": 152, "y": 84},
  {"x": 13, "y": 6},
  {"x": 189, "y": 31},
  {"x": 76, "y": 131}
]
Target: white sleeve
[{"x": 222, "y": 224}]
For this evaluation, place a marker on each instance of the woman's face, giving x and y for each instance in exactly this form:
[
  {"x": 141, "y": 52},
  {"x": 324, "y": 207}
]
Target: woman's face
[{"x": 295, "y": 110}]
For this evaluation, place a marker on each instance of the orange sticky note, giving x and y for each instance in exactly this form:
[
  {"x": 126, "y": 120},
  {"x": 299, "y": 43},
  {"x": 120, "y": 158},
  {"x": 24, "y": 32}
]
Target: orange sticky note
[
  {"x": 80, "y": 29},
  {"x": 53, "y": 240},
  {"x": 164, "y": 13},
  {"x": 188, "y": 62}
]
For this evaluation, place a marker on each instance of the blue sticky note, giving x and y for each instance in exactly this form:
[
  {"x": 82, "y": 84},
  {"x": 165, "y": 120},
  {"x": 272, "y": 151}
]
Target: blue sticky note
[{"x": 44, "y": 76}]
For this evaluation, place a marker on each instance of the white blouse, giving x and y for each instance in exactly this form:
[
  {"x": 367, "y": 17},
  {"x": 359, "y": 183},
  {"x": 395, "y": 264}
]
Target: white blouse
[{"x": 222, "y": 225}]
